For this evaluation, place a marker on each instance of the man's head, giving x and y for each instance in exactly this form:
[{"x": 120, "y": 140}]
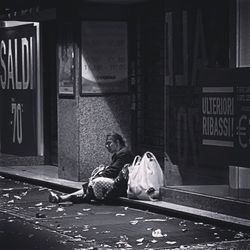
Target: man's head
[{"x": 114, "y": 142}]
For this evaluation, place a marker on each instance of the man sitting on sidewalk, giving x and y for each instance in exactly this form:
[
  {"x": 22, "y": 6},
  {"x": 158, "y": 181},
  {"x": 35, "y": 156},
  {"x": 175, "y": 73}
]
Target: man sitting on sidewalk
[{"x": 98, "y": 188}]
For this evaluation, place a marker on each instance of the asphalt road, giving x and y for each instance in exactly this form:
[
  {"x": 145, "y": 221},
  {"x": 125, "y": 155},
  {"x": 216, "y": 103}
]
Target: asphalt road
[{"x": 28, "y": 221}]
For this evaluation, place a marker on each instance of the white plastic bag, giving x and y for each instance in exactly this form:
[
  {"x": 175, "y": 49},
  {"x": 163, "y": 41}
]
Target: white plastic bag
[
  {"x": 172, "y": 172},
  {"x": 145, "y": 178}
]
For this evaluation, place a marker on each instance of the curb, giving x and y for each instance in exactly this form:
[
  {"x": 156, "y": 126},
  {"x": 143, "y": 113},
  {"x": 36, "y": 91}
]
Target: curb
[
  {"x": 40, "y": 182},
  {"x": 162, "y": 207}
]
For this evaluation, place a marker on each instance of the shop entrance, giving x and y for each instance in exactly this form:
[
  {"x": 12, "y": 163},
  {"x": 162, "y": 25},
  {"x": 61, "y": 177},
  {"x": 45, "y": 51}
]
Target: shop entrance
[
  {"x": 50, "y": 91},
  {"x": 201, "y": 141}
]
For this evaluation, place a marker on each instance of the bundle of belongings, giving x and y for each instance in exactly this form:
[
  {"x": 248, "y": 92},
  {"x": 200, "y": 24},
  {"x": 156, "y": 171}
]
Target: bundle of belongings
[{"x": 140, "y": 180}]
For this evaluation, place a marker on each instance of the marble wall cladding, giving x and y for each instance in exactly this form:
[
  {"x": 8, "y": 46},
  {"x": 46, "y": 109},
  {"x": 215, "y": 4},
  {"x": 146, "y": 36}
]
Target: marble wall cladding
[
  {"x": 99, "y": 116},
  {"x": 83, "y": 124},
  {"x": 68, "y": 139}
]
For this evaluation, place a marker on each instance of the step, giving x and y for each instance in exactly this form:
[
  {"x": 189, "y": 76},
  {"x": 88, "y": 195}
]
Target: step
[{"x": 217, "y": 204}]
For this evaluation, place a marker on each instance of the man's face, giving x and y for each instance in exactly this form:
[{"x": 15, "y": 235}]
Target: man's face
[{"x": 111, "y": 145}]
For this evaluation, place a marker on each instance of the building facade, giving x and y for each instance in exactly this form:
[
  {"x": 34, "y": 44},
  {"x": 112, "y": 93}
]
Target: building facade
[{"x": 170, "y": 76}]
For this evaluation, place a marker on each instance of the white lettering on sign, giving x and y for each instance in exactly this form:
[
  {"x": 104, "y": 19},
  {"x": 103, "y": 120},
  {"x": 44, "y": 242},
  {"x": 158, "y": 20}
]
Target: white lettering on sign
[
  {"x": 217, "y": 126},
  {"x": 187, "y": 141},
  {"x": 3, "y": 76},
  {"x": 16, "y": 70},
  {"x": 18, "y": 83},
  {"x": 242, "y": 131},
  {"x": 17, "y": 135},
  {"x": 200, "y": 55},
  {"x": 218, "y": 105},
  {"x": 218, "y": 116}
]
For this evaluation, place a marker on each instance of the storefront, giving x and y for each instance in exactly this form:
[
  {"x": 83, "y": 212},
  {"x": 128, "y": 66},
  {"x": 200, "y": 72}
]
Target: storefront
[
  {"x": 206, "y": 100},
  {"x": 171, "y": 77},
  {"x": 28, "y": 94},
  {"x": 21, "y": 133}
]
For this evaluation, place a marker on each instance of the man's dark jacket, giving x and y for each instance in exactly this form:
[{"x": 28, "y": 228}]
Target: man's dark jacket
[{"x": 119, "y": 160}]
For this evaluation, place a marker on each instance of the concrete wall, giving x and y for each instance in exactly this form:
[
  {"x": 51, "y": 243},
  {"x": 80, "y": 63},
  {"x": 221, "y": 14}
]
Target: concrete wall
[
  {"x": 68, "y": 139},
  {"x": 83, "y": 122},
  {"x": 99, "y": 116},
  {"x": 82, "y": 127}
]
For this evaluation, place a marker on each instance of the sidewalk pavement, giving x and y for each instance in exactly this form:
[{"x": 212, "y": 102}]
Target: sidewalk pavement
[{"x": 46, "y": 175}]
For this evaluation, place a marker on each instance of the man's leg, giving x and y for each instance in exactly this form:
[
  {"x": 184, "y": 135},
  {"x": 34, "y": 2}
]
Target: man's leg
[
  {"x": 79, "y": 196},
  {"x": 54, "y": 198},
  {"x": 73, "y": 196}
]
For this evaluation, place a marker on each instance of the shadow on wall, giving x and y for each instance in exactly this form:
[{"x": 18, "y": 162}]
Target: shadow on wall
[
  {"x": 103, "y": 73},
  {"x": 98, "y": 117}
]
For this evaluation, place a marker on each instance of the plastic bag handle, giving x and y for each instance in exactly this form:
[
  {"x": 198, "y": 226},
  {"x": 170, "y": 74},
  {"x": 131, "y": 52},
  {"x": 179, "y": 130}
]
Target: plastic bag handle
[
  {"x": 136, "y": 159},
  {"x": 151, "y": 155},
  {"x": 167, "y": 157}
]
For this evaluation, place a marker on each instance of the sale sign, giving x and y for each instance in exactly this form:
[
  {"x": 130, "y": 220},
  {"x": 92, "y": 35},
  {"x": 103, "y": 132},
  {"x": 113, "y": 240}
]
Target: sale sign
[
  {"x": 218, "y": 116},
  {"x": 225, "y": 117},
  {"x": 18, "y": 55}
]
